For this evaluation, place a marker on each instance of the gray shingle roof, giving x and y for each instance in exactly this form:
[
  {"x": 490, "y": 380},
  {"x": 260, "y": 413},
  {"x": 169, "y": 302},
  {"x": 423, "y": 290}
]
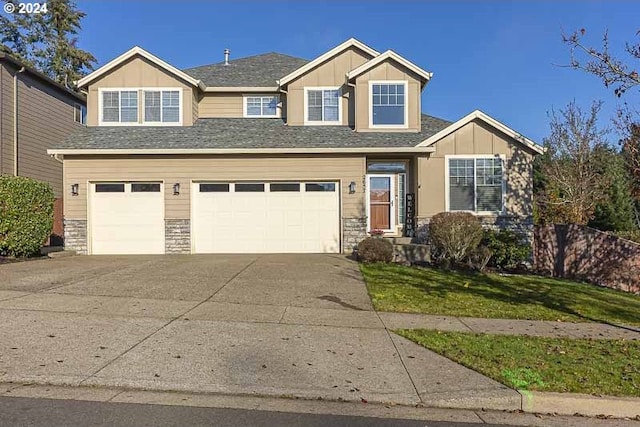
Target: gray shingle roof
[
  {"x": 257, "y": 71},
  {"x": 244, "y": 133}
]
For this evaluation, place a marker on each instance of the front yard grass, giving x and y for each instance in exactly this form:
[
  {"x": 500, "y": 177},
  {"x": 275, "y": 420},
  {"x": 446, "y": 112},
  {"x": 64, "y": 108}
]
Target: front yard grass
[
  {"x": 602, "y": 367},
  {"x": 433, "y": 291}
]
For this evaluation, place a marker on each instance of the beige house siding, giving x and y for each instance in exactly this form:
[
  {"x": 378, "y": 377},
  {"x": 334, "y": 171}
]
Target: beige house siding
[
  {"x": 214, "y": 105},
  {"x": 195, "y": 105},
  {"x": 388, "y": 71},
  {"x": 136, "y": 73},
  {"x": 477, "y": 138},
  {"x": 184, "y": 169},
  {"x": 329, "y": 74}
]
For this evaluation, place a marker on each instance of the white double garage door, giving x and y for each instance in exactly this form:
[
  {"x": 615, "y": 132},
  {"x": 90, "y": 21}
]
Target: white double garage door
[{"x": 226, "y": 217}]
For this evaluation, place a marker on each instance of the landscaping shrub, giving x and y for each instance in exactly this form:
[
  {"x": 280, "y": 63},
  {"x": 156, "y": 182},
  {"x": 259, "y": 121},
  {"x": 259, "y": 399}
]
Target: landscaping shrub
[
  {"x": 479, "y": 258},
  {"x": 454, "y": 235},
  {"x": 633, "y": 235},
  {"x": 375, "y": 249},
  {"x": 508, "y": 247},
  {"x": 26, "y": 215}
]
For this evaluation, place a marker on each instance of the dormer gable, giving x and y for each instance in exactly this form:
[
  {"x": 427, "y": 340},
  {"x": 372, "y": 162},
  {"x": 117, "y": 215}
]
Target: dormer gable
[{"x": 140, "y": 52}]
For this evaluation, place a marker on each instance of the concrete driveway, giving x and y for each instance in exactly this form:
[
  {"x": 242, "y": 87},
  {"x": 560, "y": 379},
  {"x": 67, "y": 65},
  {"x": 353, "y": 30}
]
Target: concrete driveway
[{"x": 279, "y": 325}]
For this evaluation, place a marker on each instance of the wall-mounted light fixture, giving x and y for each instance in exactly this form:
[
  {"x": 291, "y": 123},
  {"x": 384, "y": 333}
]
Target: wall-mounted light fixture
[
  {"x": 74, "y": 189},
  {"x": 352, "y": 187},
  {"x": 176, "y": 188}
]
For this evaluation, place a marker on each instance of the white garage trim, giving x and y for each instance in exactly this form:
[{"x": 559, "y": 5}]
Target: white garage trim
[
  {"x": 225, "y": 220},
  {"x": 131, "y": 221}
]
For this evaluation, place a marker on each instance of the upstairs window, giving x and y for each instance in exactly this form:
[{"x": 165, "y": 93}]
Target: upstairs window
[
  {"x": 389, "y": 104},
  {"x": 476, "y": 184},
  {"x": 120, "y": 106},
  {"x": 261, "y": 106},
  {"x": 80, "y": 114},
  {"x": 162, "y": 106},
  {"x": 322, "y": 106}
]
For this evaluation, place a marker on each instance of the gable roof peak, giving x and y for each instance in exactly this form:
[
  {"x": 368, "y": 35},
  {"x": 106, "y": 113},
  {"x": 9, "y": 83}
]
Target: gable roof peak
[
  {"x": 137, "y": 51},
  {"x": 390, "y": 54},
  {"x": 352, "y": 42}
]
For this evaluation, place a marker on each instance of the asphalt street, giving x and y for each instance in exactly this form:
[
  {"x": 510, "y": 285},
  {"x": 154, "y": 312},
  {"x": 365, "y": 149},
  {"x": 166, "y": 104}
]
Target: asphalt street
[{"x": 19, "y": 412}]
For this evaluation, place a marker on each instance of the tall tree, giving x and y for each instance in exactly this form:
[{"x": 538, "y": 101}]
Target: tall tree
[
  {"x": 622, "y": 75},
  {"x": 49, "y": 41},
  {"x": 573, "y": 180}
]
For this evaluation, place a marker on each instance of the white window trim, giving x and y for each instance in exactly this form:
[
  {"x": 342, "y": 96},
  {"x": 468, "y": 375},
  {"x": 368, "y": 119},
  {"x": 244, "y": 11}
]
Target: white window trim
[
  {"x": 392, "y": 219},
  {"x": 406, "y": 104},
  {"x": 140, "y": 91},
  {"x": 83, "y": 118},
  {"x": 161, "y": 89},
  {"x": 476, "y": 156},
  {"x": 261, "y": 95},
  {"x": 306, "y": 106}
]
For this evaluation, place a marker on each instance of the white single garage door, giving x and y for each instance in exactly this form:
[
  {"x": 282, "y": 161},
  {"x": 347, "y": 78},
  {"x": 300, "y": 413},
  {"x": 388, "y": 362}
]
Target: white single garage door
[
  {"x": 126, "y": 218},
  {"x": 266, "y": 217}
]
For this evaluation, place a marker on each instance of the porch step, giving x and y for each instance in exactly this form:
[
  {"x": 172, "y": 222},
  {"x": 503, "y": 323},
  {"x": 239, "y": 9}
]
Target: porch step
[
  {"x": 399, "y": 240},
  {"x": 411, "y": 253}
]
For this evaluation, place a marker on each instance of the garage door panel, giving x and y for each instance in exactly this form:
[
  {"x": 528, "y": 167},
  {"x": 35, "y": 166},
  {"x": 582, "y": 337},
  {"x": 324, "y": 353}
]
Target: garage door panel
[
  {"x": 126, "y": 222},
  {"x": 265, "y": 222}
]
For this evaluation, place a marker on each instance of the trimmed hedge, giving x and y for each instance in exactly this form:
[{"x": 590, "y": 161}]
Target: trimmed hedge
[
  {"x": 454, "y": 235},
  {"x": 375, "y": 249},
  {"x": 26, "y": 215}
]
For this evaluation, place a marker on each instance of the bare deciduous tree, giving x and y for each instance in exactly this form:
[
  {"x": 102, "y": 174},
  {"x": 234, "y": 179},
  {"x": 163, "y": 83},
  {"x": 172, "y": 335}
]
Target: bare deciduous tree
[{"x": 574, "y": 182}]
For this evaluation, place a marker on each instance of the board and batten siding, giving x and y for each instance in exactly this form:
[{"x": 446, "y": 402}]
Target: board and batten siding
[
  {"x": 331, "y": 73},
  {"x": 388, "y": 70},
  {"x": 213, "y": 105},
  {"x": 184, "y": 169},
  {"x": 137, "y": 73},
  {"x": 473, "y": 139}
]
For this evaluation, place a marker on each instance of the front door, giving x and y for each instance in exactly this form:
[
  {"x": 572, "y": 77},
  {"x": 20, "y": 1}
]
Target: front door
[{"x": 381, "y": 196}]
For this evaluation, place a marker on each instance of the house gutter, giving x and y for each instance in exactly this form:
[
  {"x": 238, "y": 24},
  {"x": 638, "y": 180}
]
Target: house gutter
[
  {"x": 169, "y": 151},
  {"x": 15, "y": 120}
]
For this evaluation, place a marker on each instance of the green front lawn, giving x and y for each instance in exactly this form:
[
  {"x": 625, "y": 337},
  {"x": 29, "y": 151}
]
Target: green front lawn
[
  {"x": 433, "y": 291},
  {"x": 607, "y": 367}
]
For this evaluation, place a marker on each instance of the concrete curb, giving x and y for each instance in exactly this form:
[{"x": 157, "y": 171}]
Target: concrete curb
[
  {"x": 582, "y": 404},
  {"x": 533, "y": 402}
]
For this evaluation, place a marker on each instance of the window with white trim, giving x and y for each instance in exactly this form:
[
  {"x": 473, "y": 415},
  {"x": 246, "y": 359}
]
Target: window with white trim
[
  {"x": 388, "y": 104},
  {"x": 476, "y": 184},
  {"x": 120, "y": 106},
  {"x": 323, "y": 105},
  {"x": 161, "y": 106},
  {"x": 80, "y": 114},
  {"x": 261, "y": 105}
]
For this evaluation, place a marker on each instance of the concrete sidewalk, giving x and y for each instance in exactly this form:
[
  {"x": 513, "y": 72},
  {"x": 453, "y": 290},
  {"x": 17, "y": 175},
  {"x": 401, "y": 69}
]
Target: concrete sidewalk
[
  {"x": 510, "y": 326},
  {"x": 217, "y": 347}
]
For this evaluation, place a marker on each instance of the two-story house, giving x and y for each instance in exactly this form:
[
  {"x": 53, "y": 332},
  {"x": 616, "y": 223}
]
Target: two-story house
[
  {"x": 272, "y": 153},
  {"x": 36, "y": 113}
]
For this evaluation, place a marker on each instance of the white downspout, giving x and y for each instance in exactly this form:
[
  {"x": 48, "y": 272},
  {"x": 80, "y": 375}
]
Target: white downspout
[{"x": 15, "y": 121}]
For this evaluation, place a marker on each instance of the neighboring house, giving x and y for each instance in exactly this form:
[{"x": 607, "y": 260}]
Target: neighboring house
[
  {"x": 272, "y": 153},
  {"x": 36, "y": 113}
]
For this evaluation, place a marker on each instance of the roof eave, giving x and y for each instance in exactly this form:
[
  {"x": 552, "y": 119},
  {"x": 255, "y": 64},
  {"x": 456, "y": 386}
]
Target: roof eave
[
  {"x": 241, "y": 89},
  {"x": 174, "y": 151}
]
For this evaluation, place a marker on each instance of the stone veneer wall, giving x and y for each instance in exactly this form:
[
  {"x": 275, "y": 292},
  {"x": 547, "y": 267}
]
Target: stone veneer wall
[
  {"x": 353, "y": 231},
  {"x": 75, "y": 235},
  {"x": 177, "y": 236}
]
